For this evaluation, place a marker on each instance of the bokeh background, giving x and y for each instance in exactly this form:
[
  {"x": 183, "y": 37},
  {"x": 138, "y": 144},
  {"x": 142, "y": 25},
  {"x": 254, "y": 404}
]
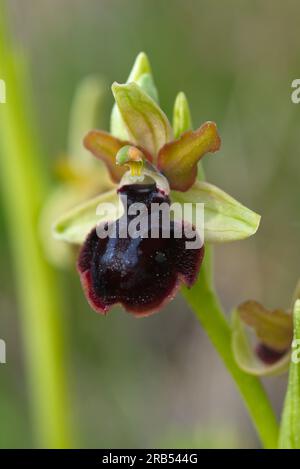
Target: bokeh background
[{"x": 157, "y": 382}]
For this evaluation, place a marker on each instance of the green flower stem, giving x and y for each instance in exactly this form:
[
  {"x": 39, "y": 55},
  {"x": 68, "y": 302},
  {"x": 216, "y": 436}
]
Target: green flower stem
[
  {"x": 23, "y": 186},
  {"x": 204, "y": 302}
]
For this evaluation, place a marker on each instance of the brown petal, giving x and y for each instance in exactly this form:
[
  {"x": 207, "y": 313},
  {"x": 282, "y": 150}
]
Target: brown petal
[
  {"x": 178, "y": 159},
  {"x": 105, "y": 147}
]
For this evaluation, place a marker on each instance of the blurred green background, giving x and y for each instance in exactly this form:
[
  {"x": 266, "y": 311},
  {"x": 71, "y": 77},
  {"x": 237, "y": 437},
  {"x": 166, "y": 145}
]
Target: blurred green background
[{"x": 158, "y": 382}]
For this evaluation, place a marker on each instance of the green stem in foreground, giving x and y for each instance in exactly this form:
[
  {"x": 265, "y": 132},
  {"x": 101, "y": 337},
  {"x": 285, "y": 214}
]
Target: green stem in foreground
[
  {"x": 22, "y": 187},
  {"x": 203, "y": 301}
]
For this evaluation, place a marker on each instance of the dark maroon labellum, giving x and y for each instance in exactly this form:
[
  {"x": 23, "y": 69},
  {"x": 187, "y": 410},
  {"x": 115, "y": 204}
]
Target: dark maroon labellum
[{"x": 141, "y": 273}]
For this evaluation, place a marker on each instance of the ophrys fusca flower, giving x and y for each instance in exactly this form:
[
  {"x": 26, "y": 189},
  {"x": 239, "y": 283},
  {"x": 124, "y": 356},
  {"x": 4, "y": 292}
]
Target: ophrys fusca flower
[{"x": 149, "y": 161}]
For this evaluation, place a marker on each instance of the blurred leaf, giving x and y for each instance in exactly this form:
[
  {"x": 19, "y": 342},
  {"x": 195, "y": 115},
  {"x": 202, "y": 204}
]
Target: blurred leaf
[
  {"x": 217, "y": 436},
  {"x": 296, "y": 294},
  {"x": 272, "y": 328}
]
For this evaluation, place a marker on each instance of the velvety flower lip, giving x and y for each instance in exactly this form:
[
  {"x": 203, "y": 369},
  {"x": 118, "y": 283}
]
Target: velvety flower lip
[{"x": 143, "y": 273}]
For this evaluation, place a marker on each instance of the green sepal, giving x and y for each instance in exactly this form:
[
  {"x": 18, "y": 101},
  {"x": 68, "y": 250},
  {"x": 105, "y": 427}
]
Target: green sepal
[
  {"x": 140, "y": 69},
  {"x": 225, "y": 219},
  {"x": 147, "y": 125},
  {"x": 182, "y": 120},
  {"x": 87, "y": 107}
]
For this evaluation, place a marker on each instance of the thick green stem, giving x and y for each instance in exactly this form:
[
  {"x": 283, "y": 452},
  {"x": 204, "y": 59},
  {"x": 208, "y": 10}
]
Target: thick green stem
[
  {"x": 289, "y": 436},
  {"x": 22, "y": 186},
  {"x": 203, "y": 301}
]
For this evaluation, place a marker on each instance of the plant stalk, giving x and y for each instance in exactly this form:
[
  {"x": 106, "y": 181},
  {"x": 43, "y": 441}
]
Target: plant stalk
[
  {"x": 204, "y": 302},
  {"x": 23, "y": 187}
]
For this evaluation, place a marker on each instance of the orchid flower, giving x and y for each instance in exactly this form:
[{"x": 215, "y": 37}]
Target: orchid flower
[{"x": 149, "y": 161}]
